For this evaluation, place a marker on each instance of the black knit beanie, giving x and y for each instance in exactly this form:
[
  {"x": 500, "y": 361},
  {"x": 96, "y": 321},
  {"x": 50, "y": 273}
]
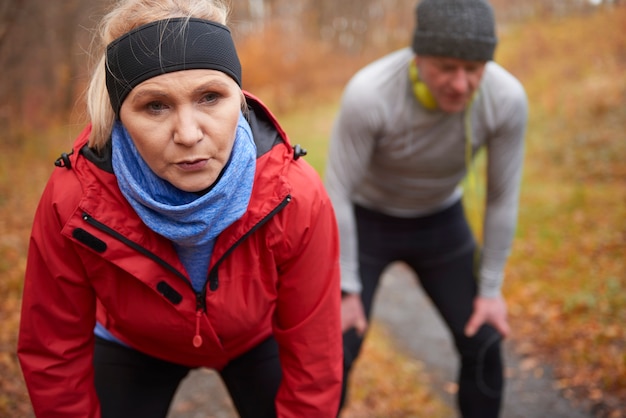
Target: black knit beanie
[{"x": 463, "y": 29}]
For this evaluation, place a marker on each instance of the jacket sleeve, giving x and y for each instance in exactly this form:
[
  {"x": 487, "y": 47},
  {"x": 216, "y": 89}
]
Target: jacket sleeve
[
  {"x": 56, "y": 340},
  {"x": 307, "y": 320}
]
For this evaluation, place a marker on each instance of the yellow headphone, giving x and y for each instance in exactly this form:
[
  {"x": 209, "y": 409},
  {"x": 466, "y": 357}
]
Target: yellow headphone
[{"x": 420, "y": 89}]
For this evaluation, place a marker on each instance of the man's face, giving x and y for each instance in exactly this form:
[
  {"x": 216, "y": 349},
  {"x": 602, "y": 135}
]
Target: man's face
[{"x": 451, "y": 81}]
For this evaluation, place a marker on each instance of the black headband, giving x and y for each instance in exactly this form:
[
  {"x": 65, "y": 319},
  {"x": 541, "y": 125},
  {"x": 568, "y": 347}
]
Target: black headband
[{"x": 166, "y": 46}]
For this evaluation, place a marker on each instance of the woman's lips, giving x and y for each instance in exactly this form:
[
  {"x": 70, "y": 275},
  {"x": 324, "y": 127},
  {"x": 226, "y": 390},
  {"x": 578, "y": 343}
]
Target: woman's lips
[{"x": 192, "y": 165}]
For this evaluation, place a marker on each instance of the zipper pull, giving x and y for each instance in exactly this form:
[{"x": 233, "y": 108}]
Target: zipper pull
[{"x": 197, "y": 339}]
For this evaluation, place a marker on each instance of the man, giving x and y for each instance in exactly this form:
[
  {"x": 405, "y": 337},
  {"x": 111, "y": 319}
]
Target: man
[{"x": 408, "y": 128}]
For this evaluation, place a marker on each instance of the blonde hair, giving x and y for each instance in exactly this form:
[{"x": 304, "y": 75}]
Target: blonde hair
[{"x": 124, "y": 17}]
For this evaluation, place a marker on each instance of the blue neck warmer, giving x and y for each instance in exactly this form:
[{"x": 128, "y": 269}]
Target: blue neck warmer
[{"x": 191, "y": 221}]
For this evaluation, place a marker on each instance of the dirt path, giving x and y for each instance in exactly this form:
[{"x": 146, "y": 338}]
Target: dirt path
[{"x": 419, "y": 332}]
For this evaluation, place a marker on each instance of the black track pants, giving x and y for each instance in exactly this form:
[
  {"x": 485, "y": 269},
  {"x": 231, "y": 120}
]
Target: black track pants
[
  {"x": 131, "y": 384},
  {"x": 440, "y": 248}
]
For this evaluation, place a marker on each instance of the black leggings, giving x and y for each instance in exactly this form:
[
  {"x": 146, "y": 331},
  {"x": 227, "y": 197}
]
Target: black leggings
[
  {"x": 131, "y": 384},
  {"x": 441, "y": 249}
]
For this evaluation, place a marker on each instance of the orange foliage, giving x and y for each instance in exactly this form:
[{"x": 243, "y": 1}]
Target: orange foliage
[{"x": 288, "y": 68}]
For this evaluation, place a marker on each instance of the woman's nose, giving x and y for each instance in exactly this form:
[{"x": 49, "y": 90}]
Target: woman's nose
[{"x": 187, "y": 130}]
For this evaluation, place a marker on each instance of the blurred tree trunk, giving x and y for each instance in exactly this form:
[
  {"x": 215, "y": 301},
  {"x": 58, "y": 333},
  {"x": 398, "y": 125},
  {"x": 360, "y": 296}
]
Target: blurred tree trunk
[
  {"x": 43, "y": 61},
  {"x": 9, "y": 10},
  {"x": 9, "y": 13},
  {"x": 71, "y": 63}
]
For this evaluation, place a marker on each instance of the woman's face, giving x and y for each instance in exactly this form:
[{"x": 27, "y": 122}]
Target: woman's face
[
  {"x": 451, "y": 81},
  {"x": 183, "y": 125}
]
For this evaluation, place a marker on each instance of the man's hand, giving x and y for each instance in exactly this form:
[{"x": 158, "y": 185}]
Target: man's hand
[
  {"x": 352, "y": 314},
  {"x": 488, "y": 311}
]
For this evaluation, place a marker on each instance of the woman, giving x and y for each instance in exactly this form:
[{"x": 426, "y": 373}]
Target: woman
[{"x": 180, "y": 232}]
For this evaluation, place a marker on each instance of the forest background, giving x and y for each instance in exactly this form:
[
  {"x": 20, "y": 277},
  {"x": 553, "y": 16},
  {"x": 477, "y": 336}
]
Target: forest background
[{"x": 566, "y": 278}]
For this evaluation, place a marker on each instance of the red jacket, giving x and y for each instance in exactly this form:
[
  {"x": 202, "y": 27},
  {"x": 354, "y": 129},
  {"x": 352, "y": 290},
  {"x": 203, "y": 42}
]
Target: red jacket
[{"x": 275, "y": 271}]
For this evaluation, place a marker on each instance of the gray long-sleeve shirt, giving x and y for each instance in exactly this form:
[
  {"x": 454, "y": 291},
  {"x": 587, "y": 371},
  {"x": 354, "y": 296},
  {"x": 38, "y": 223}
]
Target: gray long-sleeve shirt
[{"x": 389, "y": 153}]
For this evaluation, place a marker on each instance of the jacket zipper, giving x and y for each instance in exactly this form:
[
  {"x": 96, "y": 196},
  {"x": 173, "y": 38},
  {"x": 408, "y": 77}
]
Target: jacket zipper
[
  {"x": 212, "y": 280},
  {"x": 200, "y": 306},
  {"x": 110, "y": 231}
]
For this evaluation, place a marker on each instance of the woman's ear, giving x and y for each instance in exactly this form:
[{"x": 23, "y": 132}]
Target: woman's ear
[{"x": 244, "y": 105}]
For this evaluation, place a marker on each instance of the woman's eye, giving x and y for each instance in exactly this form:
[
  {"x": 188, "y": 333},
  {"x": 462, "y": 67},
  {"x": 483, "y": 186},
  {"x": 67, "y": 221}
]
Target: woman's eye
[
  {"x": 155, "y": 106},
  {"x": 210, "y": 97}
]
